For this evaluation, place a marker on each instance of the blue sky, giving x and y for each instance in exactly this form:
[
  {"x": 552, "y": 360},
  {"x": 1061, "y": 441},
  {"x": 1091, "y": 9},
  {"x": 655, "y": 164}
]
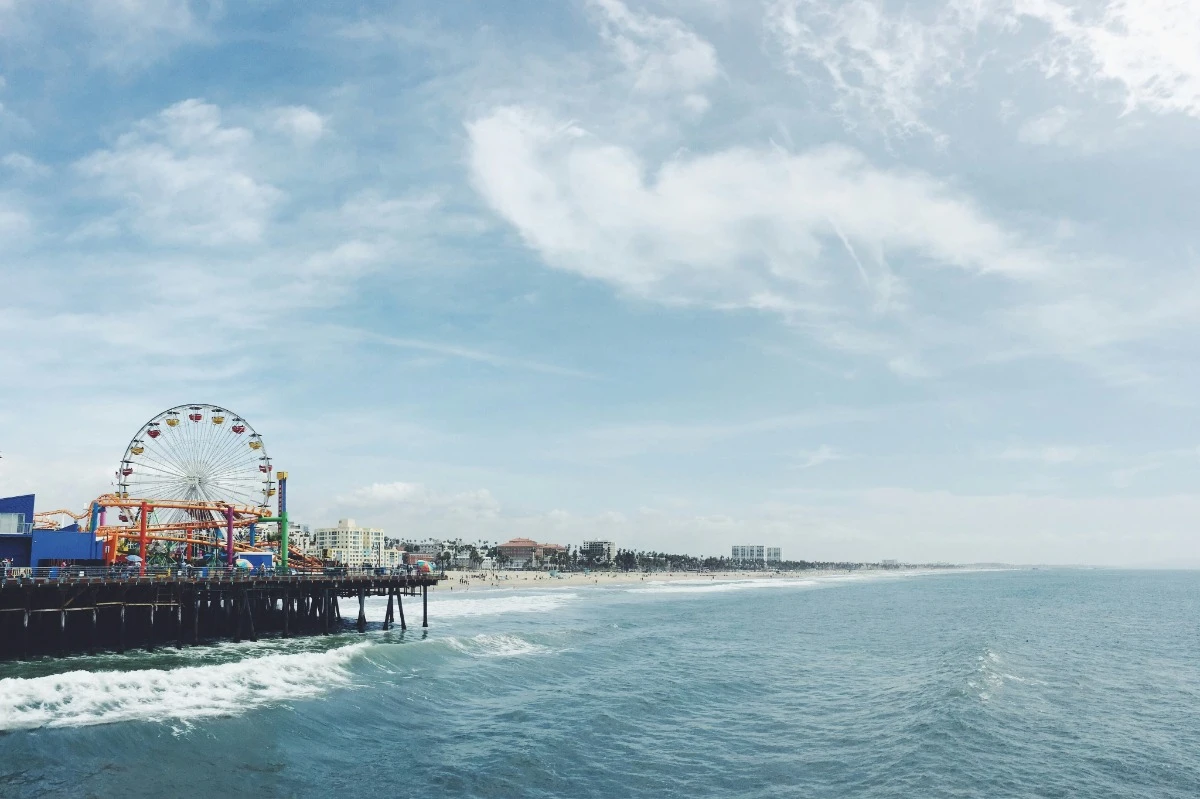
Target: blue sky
[{"x": 860, "y": 279}]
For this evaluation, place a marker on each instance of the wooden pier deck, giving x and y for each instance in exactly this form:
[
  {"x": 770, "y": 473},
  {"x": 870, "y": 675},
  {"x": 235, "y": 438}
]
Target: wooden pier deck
[{"x": 40, "y": 616}]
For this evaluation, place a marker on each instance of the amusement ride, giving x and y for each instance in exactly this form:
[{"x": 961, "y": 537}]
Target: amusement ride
[{"x": 193, "y": 487}]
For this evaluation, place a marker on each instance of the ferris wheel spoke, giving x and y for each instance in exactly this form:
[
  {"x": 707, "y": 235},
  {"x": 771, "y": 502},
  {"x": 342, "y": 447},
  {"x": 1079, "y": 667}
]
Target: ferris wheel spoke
[
  {"x": 158, "y": 466},
  {"x": 168, "y": 454},
  {"x": 155, "y": 468},
  {"x": 234, "y": 462},
  {"x": 230, "y": 456},
  {"x": 203, "y": 451},
  {"x": 216, "y": 453},
  {"x": 225, "y": 441}
]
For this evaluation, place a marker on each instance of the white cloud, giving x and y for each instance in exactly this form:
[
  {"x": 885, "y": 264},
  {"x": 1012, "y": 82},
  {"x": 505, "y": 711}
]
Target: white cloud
[
  {"x": 14, "y": 225},
  {"x": 909, "y": 365},
  {"x": 1071, "y": 131},
  {"x": 663, "y": 54},
  {"x": 884, "y": 64},
  {"x": 116, "y": 34},
  {"x": 1125, "y": 477},
  {"x": 186, "y": 177},
  {"x": 620, "y": 441},
  {"x": 1054, "y": 455},
  {"x": 301, "y": 123},
  {"x": 742, "y": 228},
  {"x": 414, "y": 499},
  {"x": 822, "y": 454},
  {"x": 24, "y": 165},
  {"x": 1047, "y": 128},
  {"x": 1147, "y": 49},
  {"x": 465, "y": 353},
  {"x": 888, "y": 65}
]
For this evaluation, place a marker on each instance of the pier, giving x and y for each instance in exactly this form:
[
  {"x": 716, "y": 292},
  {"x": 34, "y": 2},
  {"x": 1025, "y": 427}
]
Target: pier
[{"x": 78, "y": 611}]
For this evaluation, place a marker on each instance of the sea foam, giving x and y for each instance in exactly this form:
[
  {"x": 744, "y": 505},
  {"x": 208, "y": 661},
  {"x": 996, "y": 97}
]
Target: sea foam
[
  {"x": 699, "y": 587},
  {"x": 498, "y": 605},
  {"x": 83, "y": 698},
  {"x": 484, "y": 646}
]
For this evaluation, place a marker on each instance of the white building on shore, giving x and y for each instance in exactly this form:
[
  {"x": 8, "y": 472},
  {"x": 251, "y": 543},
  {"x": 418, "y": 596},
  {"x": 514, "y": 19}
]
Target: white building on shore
[
  {"x": 348, "y": 543},
  {"x": 757, "y": 554},
  {"x": 598, "y": 551},
  {"x": 749, "y": 553}
]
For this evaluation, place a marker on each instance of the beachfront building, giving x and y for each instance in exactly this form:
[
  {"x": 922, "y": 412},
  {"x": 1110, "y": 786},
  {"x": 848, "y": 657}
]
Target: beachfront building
[
  {"x": 597, "y": 551},
  {"x": 348, "y": 543},
  {"x": 525, "y": 552},
  {"x": 774, "y": 555},
  {"x": 751, "y": 553}
]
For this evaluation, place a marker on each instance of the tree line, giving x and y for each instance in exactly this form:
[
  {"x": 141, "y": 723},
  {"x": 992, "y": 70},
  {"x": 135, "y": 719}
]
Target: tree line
[{"x": 446, "y": 553}]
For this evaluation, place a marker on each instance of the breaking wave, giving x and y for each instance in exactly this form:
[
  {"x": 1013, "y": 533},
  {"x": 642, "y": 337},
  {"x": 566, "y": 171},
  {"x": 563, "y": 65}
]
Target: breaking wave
[
  {"x": 84, "y": 698},
  {"x": 493, "y": 606},
  {"x": 718, "y": 587},
  {"x": 484, "y": 646}
]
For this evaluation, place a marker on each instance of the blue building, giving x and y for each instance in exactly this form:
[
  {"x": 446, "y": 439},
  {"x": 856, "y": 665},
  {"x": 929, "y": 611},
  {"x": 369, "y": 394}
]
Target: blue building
[{"x": 26, "y": 546}]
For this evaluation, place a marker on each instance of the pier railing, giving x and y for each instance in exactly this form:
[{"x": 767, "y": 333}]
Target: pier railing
[{"x": 222, "y": 572}]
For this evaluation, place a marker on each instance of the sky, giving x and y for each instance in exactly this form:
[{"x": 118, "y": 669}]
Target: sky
[{"x": 860, "y": 279}]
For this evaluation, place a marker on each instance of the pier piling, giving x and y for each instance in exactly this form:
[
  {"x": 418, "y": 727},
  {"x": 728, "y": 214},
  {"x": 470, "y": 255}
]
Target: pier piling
[{"x": 362, "y": 610}]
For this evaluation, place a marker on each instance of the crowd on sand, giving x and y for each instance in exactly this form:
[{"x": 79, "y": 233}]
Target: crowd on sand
[{"x": 510, "y": 578}]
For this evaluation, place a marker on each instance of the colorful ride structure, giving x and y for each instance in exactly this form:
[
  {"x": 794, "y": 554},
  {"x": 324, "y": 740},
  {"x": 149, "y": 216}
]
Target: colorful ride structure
[{"x": 193, "y": 486}]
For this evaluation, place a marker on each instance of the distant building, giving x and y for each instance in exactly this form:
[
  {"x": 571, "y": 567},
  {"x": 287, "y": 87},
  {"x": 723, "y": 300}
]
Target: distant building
[
  {"x": 751, "y": 553},
  {"x": 774, "y": 555},
  {"x": 348, "y": 543},
  {"x": 598, "y": 551},
  {"x": 390, "y": 557},
  {"x": 25, "y": 545},
  {"x": 889, "y": 564},
  {"x": 300, "y": 536},
  {"x": 524, "y": 552}
]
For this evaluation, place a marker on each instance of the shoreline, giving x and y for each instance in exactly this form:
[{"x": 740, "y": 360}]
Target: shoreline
[{"x": 463, "y": 582}]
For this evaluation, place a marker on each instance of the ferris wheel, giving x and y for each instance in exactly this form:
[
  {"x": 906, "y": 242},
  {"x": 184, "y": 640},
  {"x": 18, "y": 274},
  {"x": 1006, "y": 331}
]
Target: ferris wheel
[{"x": 198, "y": 453}]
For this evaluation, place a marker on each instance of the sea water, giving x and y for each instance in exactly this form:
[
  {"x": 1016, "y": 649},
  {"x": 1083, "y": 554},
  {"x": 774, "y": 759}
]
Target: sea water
[{"x": 1050, "y": 683}]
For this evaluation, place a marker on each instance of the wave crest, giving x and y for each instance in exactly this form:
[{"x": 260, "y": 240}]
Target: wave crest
[{"x": 84, "y": 698}]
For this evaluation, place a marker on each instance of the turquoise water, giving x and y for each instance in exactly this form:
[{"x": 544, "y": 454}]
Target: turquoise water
[{"x": 987, "y": 684}]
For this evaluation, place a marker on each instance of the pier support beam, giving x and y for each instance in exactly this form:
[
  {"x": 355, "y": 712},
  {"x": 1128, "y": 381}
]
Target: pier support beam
[
  {"x": 229, "y": 536},
  {"x": 145, "y": 511},
  {"x": 196, "y": 605},
  {"x": 62, "y": 617},
  {"x": 249, "y": 605}
]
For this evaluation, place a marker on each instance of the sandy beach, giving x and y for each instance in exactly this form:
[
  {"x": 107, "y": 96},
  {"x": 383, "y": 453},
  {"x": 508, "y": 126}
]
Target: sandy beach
[{"x": 475, "y": 581}]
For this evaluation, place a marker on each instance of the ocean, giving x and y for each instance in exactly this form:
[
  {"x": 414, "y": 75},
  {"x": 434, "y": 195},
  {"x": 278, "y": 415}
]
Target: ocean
[{"x": 1024, "y": 683}]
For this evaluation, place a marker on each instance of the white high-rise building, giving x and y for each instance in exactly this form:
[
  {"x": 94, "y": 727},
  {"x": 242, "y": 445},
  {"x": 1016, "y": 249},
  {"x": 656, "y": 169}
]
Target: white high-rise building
[
  {"x": 774, "y": 555},
  {"x": 598, "y": 551},
  {"x": 348, "y": 543},
  {"x": 752, "y": 552}
]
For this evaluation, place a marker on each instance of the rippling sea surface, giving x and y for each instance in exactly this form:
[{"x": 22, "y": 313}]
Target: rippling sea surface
[{"x": 1051, "y": 683}]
